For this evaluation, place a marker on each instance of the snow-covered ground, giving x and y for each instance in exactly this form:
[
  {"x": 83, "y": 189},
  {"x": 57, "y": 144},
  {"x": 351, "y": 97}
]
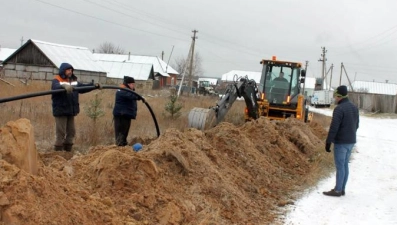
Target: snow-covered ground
[{"x": 371, "y": 191}]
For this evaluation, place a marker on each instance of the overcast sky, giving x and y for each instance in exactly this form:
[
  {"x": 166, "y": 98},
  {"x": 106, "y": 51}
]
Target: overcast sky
[{"x": 232, "y": 34}]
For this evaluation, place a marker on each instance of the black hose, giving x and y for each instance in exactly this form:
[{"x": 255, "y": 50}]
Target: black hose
[{"x": 31, "y": 95}]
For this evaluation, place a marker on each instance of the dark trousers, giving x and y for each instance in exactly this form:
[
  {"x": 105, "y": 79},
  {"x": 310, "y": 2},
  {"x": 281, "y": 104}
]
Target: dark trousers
[
  {"x": 65, "y": 130},
  {"x": 121, "y": 128}
]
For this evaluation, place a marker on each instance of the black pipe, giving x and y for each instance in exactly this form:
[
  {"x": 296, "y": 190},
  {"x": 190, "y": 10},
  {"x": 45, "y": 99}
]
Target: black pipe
[
  {"x": 30, "y": 95},
  {"x": 143, "y": 100}
]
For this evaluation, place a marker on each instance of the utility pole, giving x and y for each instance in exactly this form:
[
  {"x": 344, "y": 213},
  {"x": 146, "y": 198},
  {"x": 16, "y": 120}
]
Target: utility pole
[
  {"x": 330, "y": 79},
  {"x": 341, "y": 70},
  {"x": 166, "y": 68},
  {"x": 323, "y": 59},
  {"x": 21, "y": 40},
  {"x": 191, "y": 59},
  {"x": 184, "y": 70},
  {"x": 326, "y": 76},
  {"x": 348, "y": 79},
  {"x": 162, "y": 55}
]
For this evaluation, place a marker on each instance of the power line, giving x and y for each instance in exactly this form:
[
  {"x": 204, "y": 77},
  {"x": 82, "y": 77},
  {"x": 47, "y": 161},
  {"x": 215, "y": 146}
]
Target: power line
[
  {"x": 367, "y": 47},
  {"x": 213, "y": 39},
  {"x": 107, "y": 21},
  {"x": 205, "y": 34},
  {"x": 222, "y": 41},
  {"x": 121, "y": 25},
  {"x": 128, "y": 15},
  {"x": 158, "y": 19},
  {"x": 223, "y": 59},
  {"x": 372, "y": 37},
  {"x": 385, "y": 68},
  {"x": 248, "y": 52}
]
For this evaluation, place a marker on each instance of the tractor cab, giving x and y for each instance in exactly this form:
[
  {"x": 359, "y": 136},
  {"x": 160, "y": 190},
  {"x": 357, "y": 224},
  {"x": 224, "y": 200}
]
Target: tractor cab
[
  {"x": 280, "y": 90},
  {"x": 280, "y": 81}
]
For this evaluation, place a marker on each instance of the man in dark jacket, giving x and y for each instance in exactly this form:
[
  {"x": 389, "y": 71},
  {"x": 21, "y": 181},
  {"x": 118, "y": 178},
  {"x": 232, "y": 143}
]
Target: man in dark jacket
[
  {"x": 65, "y": 106},
  {"x": 342, "y": 133},
  {"x": 124, "y": 110}
]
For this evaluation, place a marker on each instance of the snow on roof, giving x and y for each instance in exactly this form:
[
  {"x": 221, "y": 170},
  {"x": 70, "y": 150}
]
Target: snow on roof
[
  {"x": 81, "y": 58},
  {"x": 230, "y": 76},
  {"x": 5, "y": 53},
  {"x": 212, "y": 81},
  {"x": 159, "y": 66},
  {"x": 375, "y": 87},
  {"x": 139, "y": 71}
]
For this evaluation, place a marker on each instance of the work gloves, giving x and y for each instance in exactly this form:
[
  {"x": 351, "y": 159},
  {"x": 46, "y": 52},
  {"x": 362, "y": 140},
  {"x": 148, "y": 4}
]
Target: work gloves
[
  {"x": 328, "y": 147},
  {"x": 68, "y": 88}
]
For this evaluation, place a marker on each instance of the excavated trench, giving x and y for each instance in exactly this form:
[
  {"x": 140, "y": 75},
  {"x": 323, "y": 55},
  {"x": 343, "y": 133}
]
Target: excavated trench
[{"x": 226, "y": 175}]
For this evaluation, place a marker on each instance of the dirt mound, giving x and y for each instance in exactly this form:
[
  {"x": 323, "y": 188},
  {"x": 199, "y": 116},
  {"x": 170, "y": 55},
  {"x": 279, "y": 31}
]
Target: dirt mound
[
  {"x": 226, "y": 175},
  {"x": 17, "y": 145}
]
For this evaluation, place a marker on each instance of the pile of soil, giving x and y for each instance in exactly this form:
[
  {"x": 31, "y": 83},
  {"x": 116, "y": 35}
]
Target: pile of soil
[{"x": 225, "y": 175}]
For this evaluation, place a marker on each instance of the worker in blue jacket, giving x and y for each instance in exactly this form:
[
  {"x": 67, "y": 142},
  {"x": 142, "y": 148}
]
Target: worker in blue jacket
[
  {"x": 65, "y": 106},
  {"x": 125, "y": 110}
]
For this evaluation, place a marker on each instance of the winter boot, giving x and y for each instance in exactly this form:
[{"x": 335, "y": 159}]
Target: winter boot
[
  {"x": 333, "y": 193},
  {"x": 67, "y": 147},
  {"x": 342, "y": 193},
  {"x": 58, "y": 148}
]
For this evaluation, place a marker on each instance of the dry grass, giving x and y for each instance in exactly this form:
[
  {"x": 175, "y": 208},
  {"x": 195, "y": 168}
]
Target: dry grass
[{"x": 39, "y": 111}]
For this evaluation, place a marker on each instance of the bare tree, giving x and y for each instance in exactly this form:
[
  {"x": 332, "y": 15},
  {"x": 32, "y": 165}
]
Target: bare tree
[
  {"x": 110, "y": 48},
  {"x": 181, "y": 64}
]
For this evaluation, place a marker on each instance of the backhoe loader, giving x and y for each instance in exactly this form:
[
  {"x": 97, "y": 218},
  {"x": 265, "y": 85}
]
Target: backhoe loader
[{"x": 277, "y": 96}]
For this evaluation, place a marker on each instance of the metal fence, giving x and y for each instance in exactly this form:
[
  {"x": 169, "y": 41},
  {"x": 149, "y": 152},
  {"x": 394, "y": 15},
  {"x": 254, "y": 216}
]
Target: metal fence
[{"x": 375, "y": 102}]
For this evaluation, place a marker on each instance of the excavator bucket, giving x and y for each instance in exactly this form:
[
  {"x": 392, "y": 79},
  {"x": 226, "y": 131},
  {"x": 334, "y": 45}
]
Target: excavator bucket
[{"x": 201, "y": 118}]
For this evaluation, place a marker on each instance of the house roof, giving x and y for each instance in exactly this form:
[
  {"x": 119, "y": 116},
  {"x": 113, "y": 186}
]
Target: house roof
[
  {"x": 5, "y": 53},
  {"x": 140, "y": 71},
  {"x": 159, "y": 66},
  {"x": 79, "y": 57},
  {"x": 229, "y": 76},
  {"x": 375, "y": 87}
]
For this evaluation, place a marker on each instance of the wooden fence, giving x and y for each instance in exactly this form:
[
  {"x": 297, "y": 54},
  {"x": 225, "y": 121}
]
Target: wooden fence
[{"x": 375, "y": 102}]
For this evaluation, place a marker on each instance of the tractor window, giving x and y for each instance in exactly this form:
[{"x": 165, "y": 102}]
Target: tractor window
[{"x": 280, "y": 83}]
